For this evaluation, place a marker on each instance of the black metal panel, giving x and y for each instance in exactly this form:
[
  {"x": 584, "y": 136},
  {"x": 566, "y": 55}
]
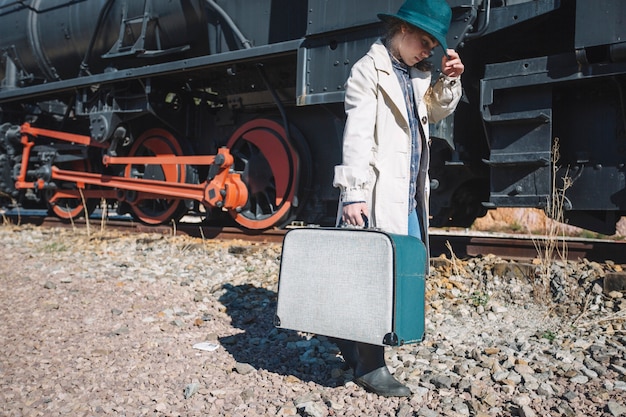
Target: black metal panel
[
  {"x": 520, "y": 134},
  {"x": 180, "y": 68},
  {"x": 590, "y": 122},
  {"x": 325, "y": 63},
  {"x": 596, "y": 187},
  {"x": 261, "y": 22},
  {"x": 332, "y": 15},
  {"x": 339, "y": 33},
  {"x": 506, "y": 14},
  {"x": 600, "y": 22},
  {"x": 528, "y": 103}
]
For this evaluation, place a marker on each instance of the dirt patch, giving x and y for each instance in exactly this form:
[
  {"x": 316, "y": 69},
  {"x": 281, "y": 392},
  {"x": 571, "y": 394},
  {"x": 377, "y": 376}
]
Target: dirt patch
[{"x": 524, "y": 220}]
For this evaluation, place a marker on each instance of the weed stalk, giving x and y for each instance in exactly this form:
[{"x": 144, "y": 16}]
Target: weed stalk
[{"x": 552, "y": 244}]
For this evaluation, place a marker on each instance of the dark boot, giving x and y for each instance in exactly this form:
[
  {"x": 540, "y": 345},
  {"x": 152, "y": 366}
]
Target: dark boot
[
  {"x": 348, "y": 351},
  {"x": 372, "y": 374}
]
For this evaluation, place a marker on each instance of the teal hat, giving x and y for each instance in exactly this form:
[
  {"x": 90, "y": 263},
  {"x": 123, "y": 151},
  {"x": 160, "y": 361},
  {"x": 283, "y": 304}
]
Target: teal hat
[{"x": 432, "y": 16}]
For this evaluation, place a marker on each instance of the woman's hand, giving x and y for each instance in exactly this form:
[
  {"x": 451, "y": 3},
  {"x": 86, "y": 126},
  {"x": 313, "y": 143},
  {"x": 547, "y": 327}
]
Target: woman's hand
[
  {"x": 352, "y": 214},
  {"x": 451, "y": 65}
]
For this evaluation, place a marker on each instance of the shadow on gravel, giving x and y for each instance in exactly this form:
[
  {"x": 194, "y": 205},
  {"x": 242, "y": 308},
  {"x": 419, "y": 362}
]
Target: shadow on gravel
[{"x": 263, "y": 346}]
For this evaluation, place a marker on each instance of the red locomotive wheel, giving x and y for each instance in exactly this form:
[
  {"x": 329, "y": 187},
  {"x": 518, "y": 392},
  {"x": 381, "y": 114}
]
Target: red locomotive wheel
[
  {"x": 269, "y": 167},
  {"x": 70, "y": 209},
  {"x": 154, "y": 211}
]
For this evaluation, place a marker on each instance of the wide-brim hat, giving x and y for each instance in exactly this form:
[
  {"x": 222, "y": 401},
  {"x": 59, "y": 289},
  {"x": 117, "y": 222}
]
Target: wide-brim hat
[{"x": 431, "y": 16}]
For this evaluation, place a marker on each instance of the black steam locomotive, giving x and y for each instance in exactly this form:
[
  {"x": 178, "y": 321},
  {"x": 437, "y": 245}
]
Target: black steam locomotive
[{"x": 233, "y": 109}]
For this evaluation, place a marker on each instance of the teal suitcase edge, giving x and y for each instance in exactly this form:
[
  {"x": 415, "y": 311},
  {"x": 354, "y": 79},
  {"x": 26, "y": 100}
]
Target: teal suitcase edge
[{"x": 410, "y": 286}]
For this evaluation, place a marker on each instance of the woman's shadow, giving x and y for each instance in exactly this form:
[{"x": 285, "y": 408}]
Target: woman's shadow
[{"x": 281, "y": 351}]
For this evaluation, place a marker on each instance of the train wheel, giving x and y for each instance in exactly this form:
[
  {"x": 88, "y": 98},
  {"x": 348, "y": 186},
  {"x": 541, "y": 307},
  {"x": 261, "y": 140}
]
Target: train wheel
[
  {"x": 269, "y": 167},
  {"x": 154, "y": 211},
  {"x": 70, "y": 209}
]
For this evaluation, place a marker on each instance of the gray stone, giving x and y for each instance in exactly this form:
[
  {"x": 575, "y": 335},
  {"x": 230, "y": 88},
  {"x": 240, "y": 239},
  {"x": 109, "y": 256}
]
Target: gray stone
[
  {"x": 244, "y": 368},
  {"x": 589, "y": 372},
  {"x": 616, "y": 409},
  {"x": 306, "y": 398},
  {"x": 441, "y": 381},
  {"x": 619, "y": 369},
  {"x": 313, "y": 409},
  {"x": 120, "y": 331},
  {"x": 526, "y": 411},
  {"x": 247, "y": 395},
  {"x": 570, "y": 395},
  {"x": 427, "y": 412},
  {"x": 191, "y": 389},
  {"x": 620, "y": 385},
  {"x": 461, "y": 408},
  {"x": 49, "y": 285},
  {"x": 566, "y": 410},
  {"x": 405, "y": 410},
  {"x": 545, "y": 390},
  {"x": 500, "y": 376},
  {"x": 579, "y": 379}
]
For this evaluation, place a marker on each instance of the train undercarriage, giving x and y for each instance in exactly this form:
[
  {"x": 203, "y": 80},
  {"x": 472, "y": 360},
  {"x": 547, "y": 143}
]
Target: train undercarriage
[{"x": 251, "y": 179}]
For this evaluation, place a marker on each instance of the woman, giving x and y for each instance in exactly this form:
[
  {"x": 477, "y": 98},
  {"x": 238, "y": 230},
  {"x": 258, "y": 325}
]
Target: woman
[{"x": 384, "y": 173}]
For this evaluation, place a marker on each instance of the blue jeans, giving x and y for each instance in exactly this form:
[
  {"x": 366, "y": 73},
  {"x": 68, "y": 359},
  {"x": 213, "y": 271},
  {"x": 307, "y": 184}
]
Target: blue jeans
[{"x": 414, "y": 225}]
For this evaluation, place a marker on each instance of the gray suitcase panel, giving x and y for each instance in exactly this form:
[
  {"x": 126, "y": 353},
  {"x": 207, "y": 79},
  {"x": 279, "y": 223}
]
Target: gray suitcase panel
[{"x": 340, "y": 283}]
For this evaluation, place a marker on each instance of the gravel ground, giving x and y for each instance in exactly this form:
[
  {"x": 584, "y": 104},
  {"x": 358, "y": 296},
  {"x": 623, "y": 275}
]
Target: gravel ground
[{"x": 149, "y": 325}]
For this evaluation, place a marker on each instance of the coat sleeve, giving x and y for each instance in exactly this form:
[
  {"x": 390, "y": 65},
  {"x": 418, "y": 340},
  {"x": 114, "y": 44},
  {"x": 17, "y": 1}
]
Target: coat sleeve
[
  {"x": 353, "y": 175},
  {"x": 443, "y": 97}
]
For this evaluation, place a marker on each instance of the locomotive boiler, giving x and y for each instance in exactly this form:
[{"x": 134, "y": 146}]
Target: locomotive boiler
[{"x": 232, "y": 110}]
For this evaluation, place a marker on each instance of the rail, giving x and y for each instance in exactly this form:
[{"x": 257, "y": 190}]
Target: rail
[{"x": 463, "y": 244}]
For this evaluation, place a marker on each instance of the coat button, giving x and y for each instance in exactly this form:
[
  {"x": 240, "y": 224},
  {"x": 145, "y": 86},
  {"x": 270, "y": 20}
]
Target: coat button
[{"x": 424, "y": 120}]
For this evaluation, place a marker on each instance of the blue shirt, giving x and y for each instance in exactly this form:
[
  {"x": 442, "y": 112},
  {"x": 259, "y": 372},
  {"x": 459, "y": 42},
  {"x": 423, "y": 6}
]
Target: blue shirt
[{"x": 404, "y": 78}]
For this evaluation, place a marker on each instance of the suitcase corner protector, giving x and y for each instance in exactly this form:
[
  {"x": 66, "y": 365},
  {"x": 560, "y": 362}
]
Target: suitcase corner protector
[{"x": 391, "y": 339}]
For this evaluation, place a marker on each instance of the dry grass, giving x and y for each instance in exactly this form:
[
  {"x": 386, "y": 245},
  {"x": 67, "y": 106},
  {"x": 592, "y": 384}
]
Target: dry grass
[
  {"x": 5, "y": 220},
  {"x": 551, "y": 246},
  {"x": 458, "y": 269}
]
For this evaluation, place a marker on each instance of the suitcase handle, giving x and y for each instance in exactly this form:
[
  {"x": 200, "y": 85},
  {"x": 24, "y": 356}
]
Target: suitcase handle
[{"x": 366, "y": 224}]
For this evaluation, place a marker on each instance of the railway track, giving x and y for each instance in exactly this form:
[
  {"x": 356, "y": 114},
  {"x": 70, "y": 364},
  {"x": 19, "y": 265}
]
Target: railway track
[
  {"x": 524, "y": 247},
  {"x": 462, "y": 244}
]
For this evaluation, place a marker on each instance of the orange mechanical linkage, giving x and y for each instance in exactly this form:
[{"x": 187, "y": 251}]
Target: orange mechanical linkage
[
  {"x": 21, "y": 178},
  {"x": 83, "y": 193},
  {"x": 223, "y": 188},
  {"x": 28, "y": 131}
]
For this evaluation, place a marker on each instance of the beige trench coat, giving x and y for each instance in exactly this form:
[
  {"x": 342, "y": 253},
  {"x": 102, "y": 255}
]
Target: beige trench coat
[{"x": 377, "y": 144}]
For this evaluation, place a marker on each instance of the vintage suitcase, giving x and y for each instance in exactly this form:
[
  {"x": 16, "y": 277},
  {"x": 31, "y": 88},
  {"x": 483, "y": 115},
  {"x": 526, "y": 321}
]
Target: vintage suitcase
[{"x": 355, "y": 284}]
